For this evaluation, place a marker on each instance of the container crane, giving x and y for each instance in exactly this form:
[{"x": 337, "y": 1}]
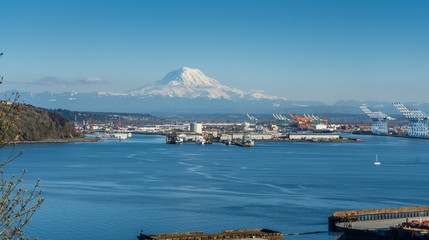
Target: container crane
[
  {"x": 253, "y": 120},
  {"x": 418, "y": 121},
  {"x": 316, "y": 119},
  {"x": 379, "y": 120},
  {"x": 282, "y": 121},
  {"x": 301, "y": 122}
]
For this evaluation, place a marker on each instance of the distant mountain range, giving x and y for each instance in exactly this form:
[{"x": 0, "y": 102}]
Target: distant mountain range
[{"x": 188, "y": 90}]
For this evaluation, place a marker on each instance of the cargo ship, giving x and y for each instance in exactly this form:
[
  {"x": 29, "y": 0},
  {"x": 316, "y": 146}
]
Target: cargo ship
[{"x": 228, "y": 234}]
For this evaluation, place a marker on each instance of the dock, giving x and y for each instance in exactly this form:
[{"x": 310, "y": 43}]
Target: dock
[
  {"x": 366, "y": 215},
  {"x": 375, "y": 223}
]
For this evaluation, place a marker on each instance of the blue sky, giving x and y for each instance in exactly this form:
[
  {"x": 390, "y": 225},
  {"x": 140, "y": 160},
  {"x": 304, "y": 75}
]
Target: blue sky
[{"x": 302, "y": 49}]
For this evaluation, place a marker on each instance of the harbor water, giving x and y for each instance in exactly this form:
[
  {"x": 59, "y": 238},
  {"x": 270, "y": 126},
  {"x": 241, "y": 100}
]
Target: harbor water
[{"x": 113, "y": 190}]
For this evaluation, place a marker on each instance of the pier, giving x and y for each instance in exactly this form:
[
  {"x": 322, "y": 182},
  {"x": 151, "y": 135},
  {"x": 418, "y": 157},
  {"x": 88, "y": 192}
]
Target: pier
[{"x": 376, "y": 218}]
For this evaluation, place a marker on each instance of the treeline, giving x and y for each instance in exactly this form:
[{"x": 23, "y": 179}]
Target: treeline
[
  {"x": 107, "y": 117},
  {"x": 36, "y": 125}
]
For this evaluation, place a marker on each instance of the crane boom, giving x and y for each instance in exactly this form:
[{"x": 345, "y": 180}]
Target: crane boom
[
  {"x": 376, "y": 114},
  {"x": 283, "y": 117},
  {"x": 410, "y": 114},
  {"x": 275, "y": 116},
  {"x": 368, "y": 112},
  {"x": 291, "y": 115}
]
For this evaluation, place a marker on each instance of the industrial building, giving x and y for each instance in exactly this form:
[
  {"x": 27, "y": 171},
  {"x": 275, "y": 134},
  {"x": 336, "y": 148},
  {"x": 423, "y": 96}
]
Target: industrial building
[
  {"x": 313, "y": 136},
  {"x": 254, "y": 136}
]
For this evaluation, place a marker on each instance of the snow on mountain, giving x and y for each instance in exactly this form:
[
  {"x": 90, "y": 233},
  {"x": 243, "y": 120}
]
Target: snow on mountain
[
  {"x": 192, "y": 83},
  {"x": 184, "y": 90}
]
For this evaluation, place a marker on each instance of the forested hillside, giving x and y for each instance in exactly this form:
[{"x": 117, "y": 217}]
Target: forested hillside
[
  {"x": 38, "y": 125},
  {"x": 108, "y": 117}
]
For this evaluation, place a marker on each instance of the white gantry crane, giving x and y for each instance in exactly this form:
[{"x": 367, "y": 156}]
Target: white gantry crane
[
  {"x": 379, "y": 120},
  {"x": 253, "y": 120},
  {"x": 282, "y": 121},
  {"x": 418, "y": 121},
  {"x": 278, "y": 116},
  {"x": 313, "y": 118}
]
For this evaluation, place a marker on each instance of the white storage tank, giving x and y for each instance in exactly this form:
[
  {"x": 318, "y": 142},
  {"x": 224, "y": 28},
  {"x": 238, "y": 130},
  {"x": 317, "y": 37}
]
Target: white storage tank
[{"x": 196, "y": 127}]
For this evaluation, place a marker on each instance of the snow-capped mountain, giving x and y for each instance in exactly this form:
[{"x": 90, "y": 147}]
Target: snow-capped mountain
[
  {"x": 192, "y": 83},
  {"x": 183, "y": 90}
]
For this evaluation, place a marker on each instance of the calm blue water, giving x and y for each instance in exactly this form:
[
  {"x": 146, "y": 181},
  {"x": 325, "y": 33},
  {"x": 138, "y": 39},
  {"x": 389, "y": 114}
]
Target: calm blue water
[{"x": 112, "y": 190}]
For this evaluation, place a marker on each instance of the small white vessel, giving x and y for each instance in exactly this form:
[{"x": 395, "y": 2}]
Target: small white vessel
[
  {"x": 180, "y": 139},
  {"x": 199, "y": 140},
  {"x": 376, "y": 160}
]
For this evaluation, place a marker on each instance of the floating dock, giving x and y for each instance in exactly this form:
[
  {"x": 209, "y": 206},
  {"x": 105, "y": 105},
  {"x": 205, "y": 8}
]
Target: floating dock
[{"x": 229, "y": 234}]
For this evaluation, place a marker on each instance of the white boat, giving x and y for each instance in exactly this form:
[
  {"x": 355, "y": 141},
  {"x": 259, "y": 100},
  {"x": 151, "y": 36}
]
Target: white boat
[
  {"x": 376, "y": 160},
  {"x": 199, "y": 140},
  {"x": 179, "y": 140}
]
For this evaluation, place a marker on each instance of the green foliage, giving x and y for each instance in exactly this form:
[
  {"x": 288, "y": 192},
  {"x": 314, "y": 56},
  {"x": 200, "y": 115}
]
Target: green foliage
[
  {"x": 17, "y": 205},
  {"x": 37, "y": 125},
  {"x": 108, "y": 117}
]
